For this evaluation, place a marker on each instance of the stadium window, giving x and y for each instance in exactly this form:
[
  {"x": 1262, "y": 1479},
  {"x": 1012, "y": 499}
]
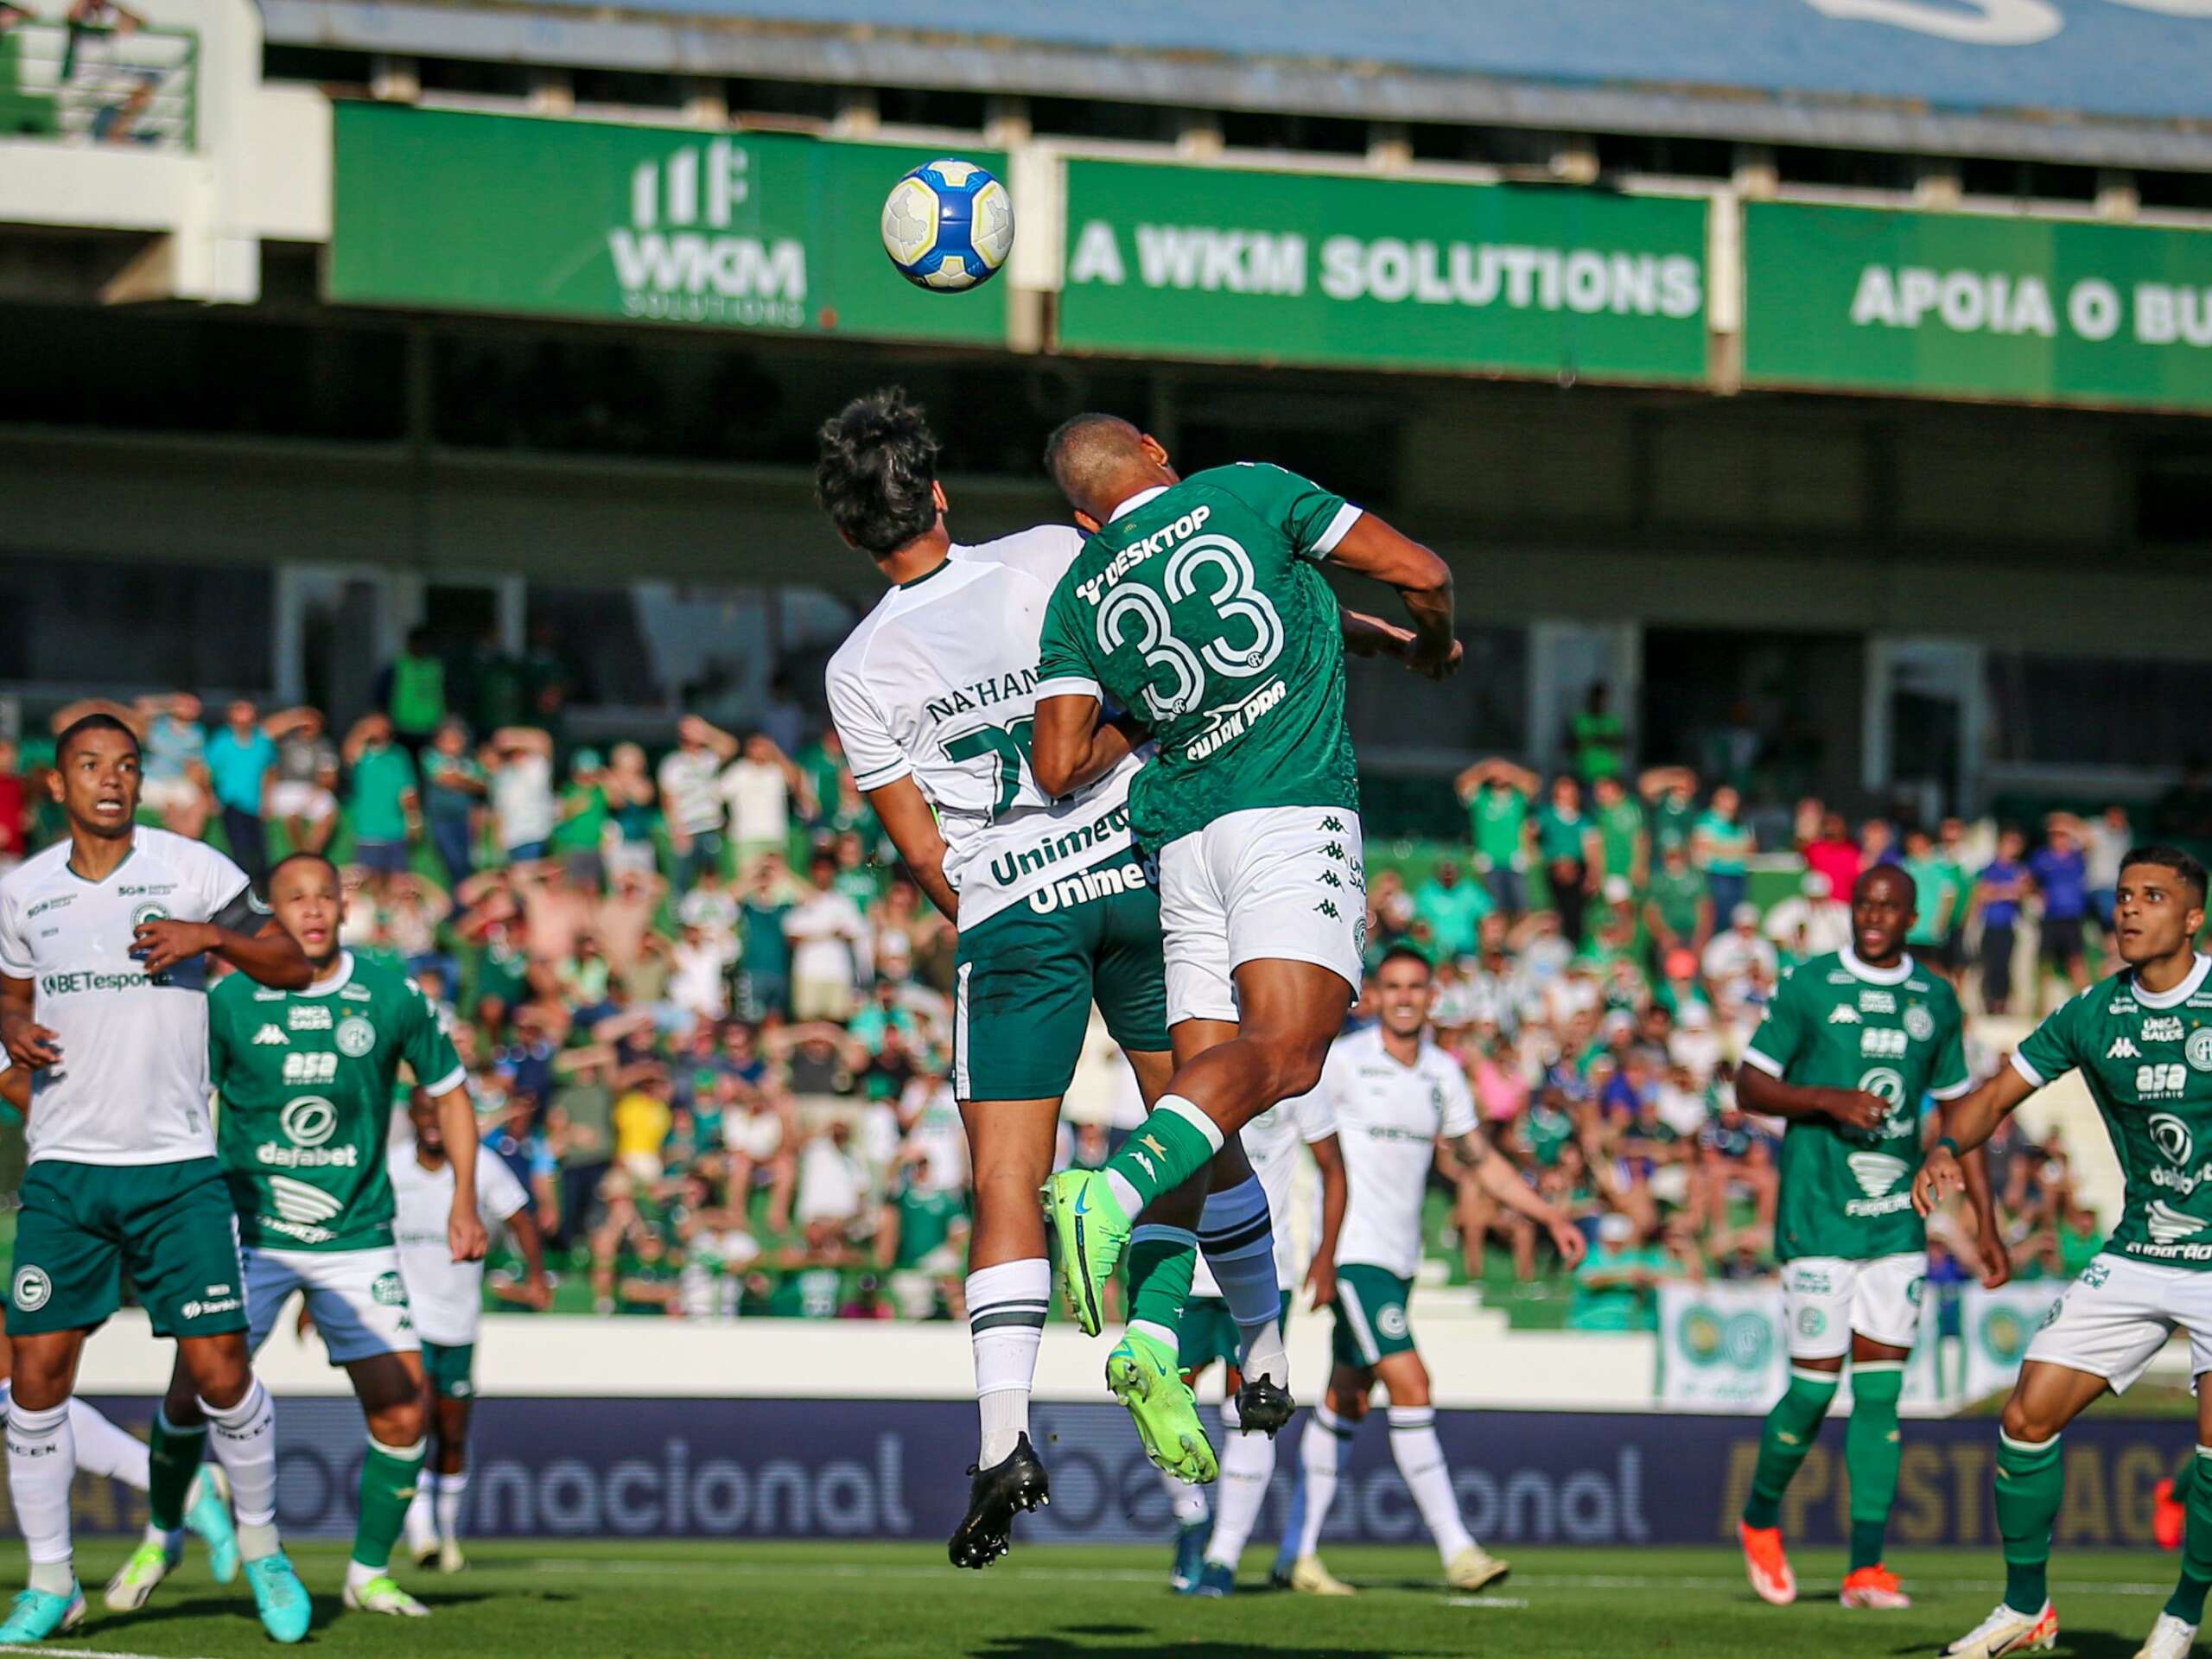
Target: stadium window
[
  {"x": 2050, "y": 710},
  {"x": 472, "y": 78},
  {"x": 627, "y": 89},
  {"x": 1077, "y": 117},
  {"x": 1669, "y": 157},
  {"x": 778, "y": 103},
  {"x": 2186, "y": 192},
  {"x": 929, "y": 106},
  {"x": 1326, "y": 134},
  {"x": 322, "y": 65},
  {"x": 1849, "y": 170},
  {"x": 158, "y": 625}
]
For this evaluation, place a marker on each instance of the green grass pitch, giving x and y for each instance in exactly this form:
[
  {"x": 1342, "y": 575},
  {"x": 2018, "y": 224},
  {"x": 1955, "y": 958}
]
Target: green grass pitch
[{"x": 607, "y": 1600}]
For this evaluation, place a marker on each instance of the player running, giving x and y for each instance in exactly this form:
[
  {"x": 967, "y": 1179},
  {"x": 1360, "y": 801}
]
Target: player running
[
  {"x": 1197, "y": 605},
  {"x": 306, "y": 1079},
  {"x": 1852, "y": 1042},
  {"x": 447, "y": 1297},
  {"x": 1394, "y": 1097},
  {"x": 1208, "y": 1548},
  {"x": 2142, "y": 1040},
  {"x": 102, "y": 938}
]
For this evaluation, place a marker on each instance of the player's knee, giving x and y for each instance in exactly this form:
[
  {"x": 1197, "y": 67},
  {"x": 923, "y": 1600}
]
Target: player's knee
[
  {"x": 1292, "y": 1063},
  {"x": 401, "y": 1423},
  {"x": 2029, "y": 1421}
]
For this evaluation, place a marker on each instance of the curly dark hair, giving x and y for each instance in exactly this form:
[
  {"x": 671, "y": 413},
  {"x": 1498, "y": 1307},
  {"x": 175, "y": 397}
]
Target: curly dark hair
[{"x": 879, "y": 460}]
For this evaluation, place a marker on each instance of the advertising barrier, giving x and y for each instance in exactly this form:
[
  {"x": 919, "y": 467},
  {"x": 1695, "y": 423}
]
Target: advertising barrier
[
  {"x": 827, "y": 1469},
  {"x": 591, "y": 219}
]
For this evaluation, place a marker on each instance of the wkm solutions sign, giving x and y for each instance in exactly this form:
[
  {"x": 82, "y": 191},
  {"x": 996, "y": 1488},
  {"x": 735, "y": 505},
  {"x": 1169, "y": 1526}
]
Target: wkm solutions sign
[{"x": 438, "y": 210}]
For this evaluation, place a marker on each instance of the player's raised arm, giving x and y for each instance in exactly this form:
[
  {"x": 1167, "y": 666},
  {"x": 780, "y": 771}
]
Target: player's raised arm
[{"x": 1371, "y": 548}]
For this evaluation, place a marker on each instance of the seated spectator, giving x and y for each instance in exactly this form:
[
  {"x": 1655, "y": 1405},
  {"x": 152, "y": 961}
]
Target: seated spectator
[
  {"x": 1617, "y": 1286},
  {"x": 1813, "y": 921},
  {"x": 921, "y": 1240},
  {"x": 1732, "y": 958},
  {"x": 642, "y": 1121},
  {"x": 1678, "y": 911},
  {"x": 518, "y": 768},
  {"x": 1833, "y": 854},
  {"x": 303, "y": 799},
  {"x": 760, "y": 1138},
  {"x": 829, "y": 939},
  {"x": 831, "y": 1187}
]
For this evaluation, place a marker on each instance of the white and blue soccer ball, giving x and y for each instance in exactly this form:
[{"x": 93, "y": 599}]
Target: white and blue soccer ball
[{"x": 948, "y": 225}]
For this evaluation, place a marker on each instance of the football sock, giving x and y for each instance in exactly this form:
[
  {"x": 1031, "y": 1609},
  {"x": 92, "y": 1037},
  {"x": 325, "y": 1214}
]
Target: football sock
[
  {"x": 1420, "y": 1456},
  {"x": 1239, "y": 1239},
  {"x": 104, "y": 1449},
  {"x": 1171, "y": 1146},
  {"x": 1784, "y": 1439},
  {"x": 1248, "y": 1463},
  {"x": 2186, "y": 1602},
  {"x": 1318, "y": 1448},
  {"x": 172, "y": 1458},
  {"x": 1006, "y": 1326},
  {"x": 1871, "y": 1452},
  {"x": 1186, "y": 1503},
  {"x": 2031, "y": 1484},
  {"x": 245, "y": 1442},
  {"x": 452, "y": 1489},
  {"x": 1161, "y": 1263},
  {"x": 420, "y": 1528},
  {"x": 42, "y": 1462},
  {"x": 2184, "y": 1478},
  {"x": 388, "y": 1478}
]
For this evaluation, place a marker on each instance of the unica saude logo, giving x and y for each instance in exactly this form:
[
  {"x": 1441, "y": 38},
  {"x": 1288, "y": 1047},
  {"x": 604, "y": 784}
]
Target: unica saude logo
[{"x": 680, "y": 259}]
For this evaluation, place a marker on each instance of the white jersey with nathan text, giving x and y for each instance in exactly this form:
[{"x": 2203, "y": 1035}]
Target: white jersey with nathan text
[
  {"x": 939, "y": 684},
  {"x": 132, "y": 1086},
  {"x": 1271, "y": 1144},
  {"x": 1388, "y": 1118},
  {"x": 448, "y": 1296}
]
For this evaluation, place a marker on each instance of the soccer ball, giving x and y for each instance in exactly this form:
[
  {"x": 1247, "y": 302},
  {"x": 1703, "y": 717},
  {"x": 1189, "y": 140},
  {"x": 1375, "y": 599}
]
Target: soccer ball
[{"x": 948, "y": 225}]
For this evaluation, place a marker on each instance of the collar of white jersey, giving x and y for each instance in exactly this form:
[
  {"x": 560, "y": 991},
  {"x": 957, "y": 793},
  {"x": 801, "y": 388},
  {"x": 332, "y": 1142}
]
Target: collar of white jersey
[
  {"x": 2180, "y": 993},
  {"x": 1137, "y": 501},
  {"x": 1874, "y": 975},
  {"x": 338, "y": 976}
]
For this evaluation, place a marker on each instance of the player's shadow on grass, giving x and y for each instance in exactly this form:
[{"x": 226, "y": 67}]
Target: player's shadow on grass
[{"x": 1146, "y": 1644}]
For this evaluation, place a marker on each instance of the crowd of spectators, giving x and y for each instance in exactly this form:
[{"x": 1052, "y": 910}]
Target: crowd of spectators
[{"x": 708, "y": 1017}]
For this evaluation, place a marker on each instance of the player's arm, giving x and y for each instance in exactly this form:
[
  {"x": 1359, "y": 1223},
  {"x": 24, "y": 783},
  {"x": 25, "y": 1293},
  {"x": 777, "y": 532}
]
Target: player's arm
[
  {"x": 1371, "y": 548},
  {"x": 30, "y": 1044},
  {"x": 242, "y": 933},
  {"x": 1764, "y": 1092},
  {"x": 1060, "y": 742},
  {"x": 906, "y": 818},
  {"x": 1967, "y": 1126},
  {"x": 457, "y": 1122},
  {"x": 1494, "y": 1173},
  {"x": 530, "y": 1244},
  {"x": 1336, "y": 1194},
  {"x": 16, "y": 1087}
]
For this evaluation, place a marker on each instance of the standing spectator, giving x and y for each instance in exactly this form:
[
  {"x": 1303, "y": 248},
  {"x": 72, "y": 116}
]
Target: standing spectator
[
  {"x": 691, "y": 800},
  {"x": 1453, "y": 909},
  {"x": 1678, "y": 910},
  {"x": 758, "y": 788},
  {"x": 579, "y": 1134},
  {"x": 1812, "y": 922},
  {"x": 1933, "y": 896},
  {"x": 831, "y": 1185},
  {"x": 1599, "y": 740},
  {"x": 2105, "y": 840},
  {"x": 2061, "y": 874},
  {"x": 824, "y": 763},
  {"x": 765, "y": 963},
  {"x": 520, "y": 759},
  {"x": 1622, "y": 837},
  {"x": 1616, "y": 1287},
  {"x": 1497, "y": 794},
  {"x": 241, "y": 761},
  {"x": 642, "y": 1119},
  {"x": 827, "y": 933},
  {"x": 412, "y": 690},
  {"x": 1721, "y": 846},
  {"x": 1736, "y": 959},
  {"x": 173, "y": 762},
  {"x": 785, "y": 719},
  {"x": 1951, "y": 858},
  {"x": 381, "y": 802},
  {"x": 1670, "y": 792},
  {"x": 580, "y": 833},
  {"x": 15, "y": 807},
  {"x": 630, "y": 797},
  {"x": 304, "y": 798},
  {"x": 1569, "y": 846},
  {"x": 1835, "y": 854},
  {"x": 1997, "y": 894},
  {"x": 453, "y": 788}
]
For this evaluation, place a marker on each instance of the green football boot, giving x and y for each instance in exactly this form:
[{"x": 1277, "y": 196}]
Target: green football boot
[
  {"x": 1140, "y": 1373},
  {"x": 1093, "y": 1232}
]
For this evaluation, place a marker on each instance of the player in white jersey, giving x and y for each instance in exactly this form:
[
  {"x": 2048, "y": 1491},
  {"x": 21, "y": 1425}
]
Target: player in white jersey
[
  {"x": 1393, "y": 1098},
  {"x": 933, "y": 696},
  {"x": 447, "y": 1297},
  {"x": 103, "y": 997},
  {"x": 1208, "y": 1545}
]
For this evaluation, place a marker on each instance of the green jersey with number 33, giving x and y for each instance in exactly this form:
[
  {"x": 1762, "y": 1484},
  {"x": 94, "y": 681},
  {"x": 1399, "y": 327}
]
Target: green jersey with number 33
[
  {"x": 304, "y": 1081},
  {"x": 2148, "y": 1060},
  {"x": 1835, "y": 1022},
  {"x": 1201, "y": 608}
]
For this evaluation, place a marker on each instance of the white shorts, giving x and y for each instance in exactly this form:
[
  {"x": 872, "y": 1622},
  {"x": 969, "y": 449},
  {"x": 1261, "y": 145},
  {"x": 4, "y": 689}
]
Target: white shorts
[
  {"x": 310, "y": 801},
  {"x": 171, "y": 794},
  {"x": 2115, "y": 1316},
  {"x": 357, "y": 1299},
  {"x": 1273, "y": 882},
  {"x": 1826, "y": 1298}
]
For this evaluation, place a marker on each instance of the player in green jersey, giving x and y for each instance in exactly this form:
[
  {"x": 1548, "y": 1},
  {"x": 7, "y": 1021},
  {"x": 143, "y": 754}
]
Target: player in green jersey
[
  {"x": 305, "y": 1079},
  {"x": 1198, "y": 606},
  {"x": 1852, "y": 1044},
  {"x": 2142, "y": 1041}
]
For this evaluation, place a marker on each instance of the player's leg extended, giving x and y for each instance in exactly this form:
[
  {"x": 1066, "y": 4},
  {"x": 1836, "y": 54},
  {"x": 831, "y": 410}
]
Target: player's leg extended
[
  {"x": 1420, "y": 1456},
  {"x": 1327, "y": 1438},
  {"x": 2175, "y": 1632},
  {"x": 42, "y": 1463},
  {"x": 181, "y": 1492},
  {"x": 1009, "y": 1288},
  {"x": 391, "y": 1387},
  {"x": 1141, "y": 1372},
  {"x": 1816, "y": 1311}
]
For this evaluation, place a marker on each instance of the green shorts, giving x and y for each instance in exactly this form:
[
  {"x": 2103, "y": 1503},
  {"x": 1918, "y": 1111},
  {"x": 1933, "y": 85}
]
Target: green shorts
[
  {"x": 1207, "y": 1333},
  {"x": 169, "y": 1226},
  {"x": 1371, "y": 1322},
  {"x": 451, "y": 1370},
  {"x": 1027, "y": 977}
]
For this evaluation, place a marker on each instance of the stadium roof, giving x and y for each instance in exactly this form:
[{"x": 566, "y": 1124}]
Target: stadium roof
[{"x": 2121, "y": 81}]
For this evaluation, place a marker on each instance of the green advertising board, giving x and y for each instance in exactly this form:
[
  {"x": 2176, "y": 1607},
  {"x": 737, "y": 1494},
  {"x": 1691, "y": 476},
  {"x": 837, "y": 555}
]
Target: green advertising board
[
  {"x": 1958, "y": 305},
  {"x": 445, "y": 211},
  {"x": 1227, "y": 264}
]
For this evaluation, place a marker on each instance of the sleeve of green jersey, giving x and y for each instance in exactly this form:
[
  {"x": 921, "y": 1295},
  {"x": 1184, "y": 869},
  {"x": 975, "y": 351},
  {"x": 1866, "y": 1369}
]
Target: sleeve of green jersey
[
  {"x": 218, "y": 1020},
  {"x": 2052, "y": 1049},
  {"x": 430, "y": 1052},
  {"x": 1783, "y": 1032},
  {"x": 1948, "y": 1079},
  {"x": 1066, "y": 667},
  {"x": 1313, "y": 519}
]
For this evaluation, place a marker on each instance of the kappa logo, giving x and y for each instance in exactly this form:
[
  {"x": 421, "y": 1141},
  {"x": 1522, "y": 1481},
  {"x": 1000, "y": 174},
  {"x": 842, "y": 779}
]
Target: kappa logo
[
  {"x": 2169, "y": 1225},
  {"x": 1844, "y": 1014},
  {"x": 1877, "y": 1172},
  {"x": 271, "y": 1036},
  {"x": 2123, "y": 1048}
]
